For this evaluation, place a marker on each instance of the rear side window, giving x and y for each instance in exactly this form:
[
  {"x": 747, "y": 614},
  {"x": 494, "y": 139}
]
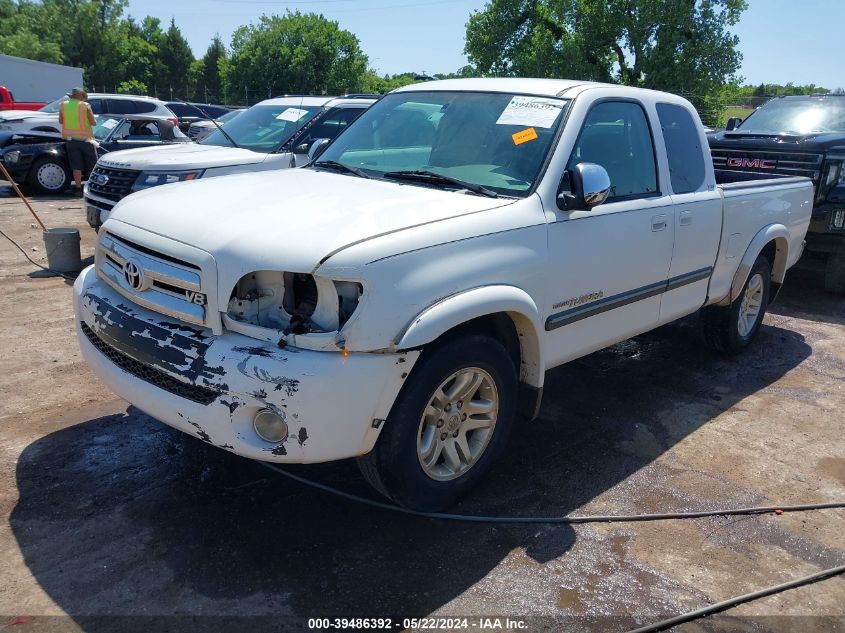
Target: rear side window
[
  {"x": 142, "y": 107},
  {"x": 98, "y": 106},
  {"x": 616, "y": 135},
  {"x": 683, "y": 147},
  {"x": 121, "y": 106}
]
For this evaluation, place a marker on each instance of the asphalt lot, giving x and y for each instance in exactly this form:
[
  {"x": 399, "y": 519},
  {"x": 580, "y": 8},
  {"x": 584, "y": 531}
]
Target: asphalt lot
[{"x": 122, "y": 523}]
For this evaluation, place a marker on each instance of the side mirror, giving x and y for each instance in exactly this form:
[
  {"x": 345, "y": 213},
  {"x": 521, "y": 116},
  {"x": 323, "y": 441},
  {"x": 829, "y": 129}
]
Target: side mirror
[
  {"x": 583, "y": 187},
  {"x": 317, "y": 147},
  {"x": 732, "y": 123}
]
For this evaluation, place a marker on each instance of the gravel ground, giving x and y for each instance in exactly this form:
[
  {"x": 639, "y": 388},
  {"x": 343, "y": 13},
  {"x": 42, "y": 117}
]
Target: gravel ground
[{"x": 112, "y": 521}]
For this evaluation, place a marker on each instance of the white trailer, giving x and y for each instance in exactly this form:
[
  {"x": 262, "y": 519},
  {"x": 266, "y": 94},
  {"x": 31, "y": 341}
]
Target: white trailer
[{"x": 31, "y": 80}]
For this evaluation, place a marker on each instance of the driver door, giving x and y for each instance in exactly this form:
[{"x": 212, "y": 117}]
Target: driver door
[{"x": 609, "y": 264}]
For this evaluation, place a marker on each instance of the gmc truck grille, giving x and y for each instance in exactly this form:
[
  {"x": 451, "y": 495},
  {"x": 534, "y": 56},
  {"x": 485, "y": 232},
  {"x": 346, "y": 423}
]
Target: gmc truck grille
[
  {"x": 112, "y": 184},
  {"x": 154, "y": 280},
  {"x": 149, "y": 374},
  {"x": 765, "y": 162}
]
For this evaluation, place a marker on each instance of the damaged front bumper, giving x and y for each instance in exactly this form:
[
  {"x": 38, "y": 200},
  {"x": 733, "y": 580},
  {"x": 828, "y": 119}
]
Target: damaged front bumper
[{"x": 212, "y": 386}]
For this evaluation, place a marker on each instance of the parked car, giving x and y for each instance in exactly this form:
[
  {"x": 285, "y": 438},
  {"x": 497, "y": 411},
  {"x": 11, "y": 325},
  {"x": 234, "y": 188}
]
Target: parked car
[
  {"x": 796, "y": 136},
  {"x": 273, "y": 134},
  {"x": 199, "y": 130},
  {"x": 47, "y": 118},
  {"x": 400, "y": 299},
  {"x": 189, "y": 113},
  {"x": 7, "y": 102},
  {"x": 38, "y": 158}
]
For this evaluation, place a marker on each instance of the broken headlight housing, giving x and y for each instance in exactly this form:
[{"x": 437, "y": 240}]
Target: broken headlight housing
[{"x": 299, "y": 309}]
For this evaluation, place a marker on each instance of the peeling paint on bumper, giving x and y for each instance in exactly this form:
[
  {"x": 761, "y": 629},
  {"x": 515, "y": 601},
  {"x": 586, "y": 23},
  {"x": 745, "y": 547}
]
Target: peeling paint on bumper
[{"x": 329, "y": 401}]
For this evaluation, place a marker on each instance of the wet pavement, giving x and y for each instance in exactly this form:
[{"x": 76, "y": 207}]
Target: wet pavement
[{"x": 114, "y": 521}]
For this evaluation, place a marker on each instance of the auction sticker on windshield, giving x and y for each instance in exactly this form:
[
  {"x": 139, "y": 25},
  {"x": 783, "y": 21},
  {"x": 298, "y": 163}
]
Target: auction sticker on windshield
[
  {"x": 292, "y": 114},
  {"x": 109, "y": 124},
  {"x": 523, "y": 137},
  {"x": 530, "y": 111}
]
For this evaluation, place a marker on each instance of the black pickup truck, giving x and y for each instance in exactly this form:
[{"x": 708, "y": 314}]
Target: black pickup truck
[{"x": 795, "y": 136}]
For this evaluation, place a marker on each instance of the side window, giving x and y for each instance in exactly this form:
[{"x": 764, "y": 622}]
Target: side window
[
  {"x": 143, "y": 131},
  {"x": 332, "y": 124},
  {"x": 122, "y": 131},
  {"x": 616, "y": 135},
  {"x": 142, "y": 107},
  {"x": 683, "y": 147},
  {"x": 98, "y": 106},
  {"x": 120, "y": 106}
]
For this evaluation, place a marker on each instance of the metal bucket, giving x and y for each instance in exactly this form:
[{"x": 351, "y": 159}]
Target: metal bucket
[{"x": 62, "y": 246}]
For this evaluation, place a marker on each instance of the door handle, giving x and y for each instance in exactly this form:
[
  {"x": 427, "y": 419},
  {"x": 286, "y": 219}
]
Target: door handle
[
  {"x": 685, "y": 218},
  {"x": 658, "y": 222}
]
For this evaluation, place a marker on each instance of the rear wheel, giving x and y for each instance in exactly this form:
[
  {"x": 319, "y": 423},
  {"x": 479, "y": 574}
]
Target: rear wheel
[
  {"x": 730, "y": 329},
  {"x": 49, "y": 175},
  {"x": 448, "y": 425}
]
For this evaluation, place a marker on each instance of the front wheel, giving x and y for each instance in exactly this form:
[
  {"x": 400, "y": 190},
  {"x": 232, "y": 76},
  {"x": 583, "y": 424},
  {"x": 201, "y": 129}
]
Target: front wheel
[
  {"x": 448, "y": 425},
  {"x": 731, "y": 329},
  {"x": 49, "y": 175}
]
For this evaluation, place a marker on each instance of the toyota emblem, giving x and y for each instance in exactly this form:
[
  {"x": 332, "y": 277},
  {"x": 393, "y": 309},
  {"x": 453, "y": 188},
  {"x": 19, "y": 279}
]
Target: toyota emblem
[{"x": 134, "y": 274}]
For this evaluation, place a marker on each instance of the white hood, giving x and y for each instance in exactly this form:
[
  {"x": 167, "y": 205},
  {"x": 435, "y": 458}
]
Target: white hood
[
  {"x": 287, "y": 220},
  {"x": 181, "y": 157}
]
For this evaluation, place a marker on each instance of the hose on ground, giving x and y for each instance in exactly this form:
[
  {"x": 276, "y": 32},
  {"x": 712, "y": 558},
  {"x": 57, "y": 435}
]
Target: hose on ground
[{"x": 568, "y": 519}]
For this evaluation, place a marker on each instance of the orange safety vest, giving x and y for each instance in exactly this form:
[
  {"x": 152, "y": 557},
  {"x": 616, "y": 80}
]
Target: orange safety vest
[{"x": 75, "y": 123}]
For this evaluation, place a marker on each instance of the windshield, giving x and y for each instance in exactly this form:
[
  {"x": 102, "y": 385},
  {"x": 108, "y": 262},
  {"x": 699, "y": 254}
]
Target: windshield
[
  {"x": 105, "y": 124},
  {"x": 264, "y": 128},
  {"x": 496, "y": 141},
  {"x": 229, "y": 116},
  {"x": 53, "y": 106},
  {"x": 798, "y": 116}
]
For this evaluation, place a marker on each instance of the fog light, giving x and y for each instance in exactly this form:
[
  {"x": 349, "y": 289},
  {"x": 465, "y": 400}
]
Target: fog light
[
  {"x": 837, "y": 219},
  {"x": 270, "y": 426}
]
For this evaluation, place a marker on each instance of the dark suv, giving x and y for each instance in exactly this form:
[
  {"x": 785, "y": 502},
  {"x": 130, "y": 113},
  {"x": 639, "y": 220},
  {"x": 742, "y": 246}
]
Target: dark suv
[{"x": 796, "y": 136}]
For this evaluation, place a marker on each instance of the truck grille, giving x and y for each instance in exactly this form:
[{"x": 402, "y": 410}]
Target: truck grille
[
  {"x": 117, "y": 185},
  {"x": 765, "y": 162},
  {"x": 149, "y": 374},
  {"x": 152, "y": 279}
]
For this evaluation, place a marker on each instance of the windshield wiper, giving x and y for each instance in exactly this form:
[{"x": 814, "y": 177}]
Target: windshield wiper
[
  {"x": 423, "y": 175},
  {"x": 333, "y": 164},
  {"x": 216, "y": 124}
]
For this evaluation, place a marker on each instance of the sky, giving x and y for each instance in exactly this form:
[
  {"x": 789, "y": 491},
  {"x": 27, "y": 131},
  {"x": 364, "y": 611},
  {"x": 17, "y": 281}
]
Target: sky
[{"x": 780, "y": 40}]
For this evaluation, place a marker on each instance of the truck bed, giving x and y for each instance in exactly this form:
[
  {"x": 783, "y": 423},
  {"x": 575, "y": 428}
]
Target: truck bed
[{"x": 750, "y": 206}]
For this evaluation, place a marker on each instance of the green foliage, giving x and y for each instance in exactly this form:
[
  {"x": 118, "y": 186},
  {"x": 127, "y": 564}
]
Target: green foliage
[
  {"x": 295, "y": 53},
  {"x": 681, "y": 47},
  {"x": 132, "y": 87}
]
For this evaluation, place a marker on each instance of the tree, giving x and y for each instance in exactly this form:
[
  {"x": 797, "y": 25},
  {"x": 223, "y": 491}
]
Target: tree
[
  {"x": 175, "y": 59},
  {"x": 209, "y": 77},
  {"x": 295, "y": 53},
  {"x": 681, "y": 46}
]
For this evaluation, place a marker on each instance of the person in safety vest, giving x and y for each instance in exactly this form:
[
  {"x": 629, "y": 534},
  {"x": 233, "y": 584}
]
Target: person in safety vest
[{"x": 78, "y": 123}]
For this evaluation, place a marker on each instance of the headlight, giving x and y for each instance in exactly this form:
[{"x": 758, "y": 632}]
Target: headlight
[
  {"x": 10, "y": 158},
  {"x": 280, "y": 304},
  {"x": 155, "y": 178}
]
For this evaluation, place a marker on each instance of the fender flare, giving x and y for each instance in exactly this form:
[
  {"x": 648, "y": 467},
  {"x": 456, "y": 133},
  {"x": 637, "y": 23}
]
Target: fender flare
[
  {"x": 457, "y": 309},
  {"x": 772, "y": 232}
]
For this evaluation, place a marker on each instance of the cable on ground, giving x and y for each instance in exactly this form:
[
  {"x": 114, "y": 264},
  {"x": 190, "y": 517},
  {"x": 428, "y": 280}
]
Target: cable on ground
[
  {"x": 35, "y": 263},
  {"x": 570, "y": 519},
  {"x": 732, "y": 602}
]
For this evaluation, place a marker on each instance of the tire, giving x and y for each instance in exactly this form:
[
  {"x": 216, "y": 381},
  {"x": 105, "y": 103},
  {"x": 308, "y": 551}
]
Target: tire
[
  {"x": 396, "y": 468},
  {"x": 730, "y": 329},
  {"x": 49, "y": 175},
  {"x": 834, "y": 273}
]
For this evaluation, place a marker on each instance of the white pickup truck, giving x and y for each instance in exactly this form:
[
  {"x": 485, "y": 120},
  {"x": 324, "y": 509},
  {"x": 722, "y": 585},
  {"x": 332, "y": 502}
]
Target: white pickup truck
[{"x": 401, "y": 299}]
